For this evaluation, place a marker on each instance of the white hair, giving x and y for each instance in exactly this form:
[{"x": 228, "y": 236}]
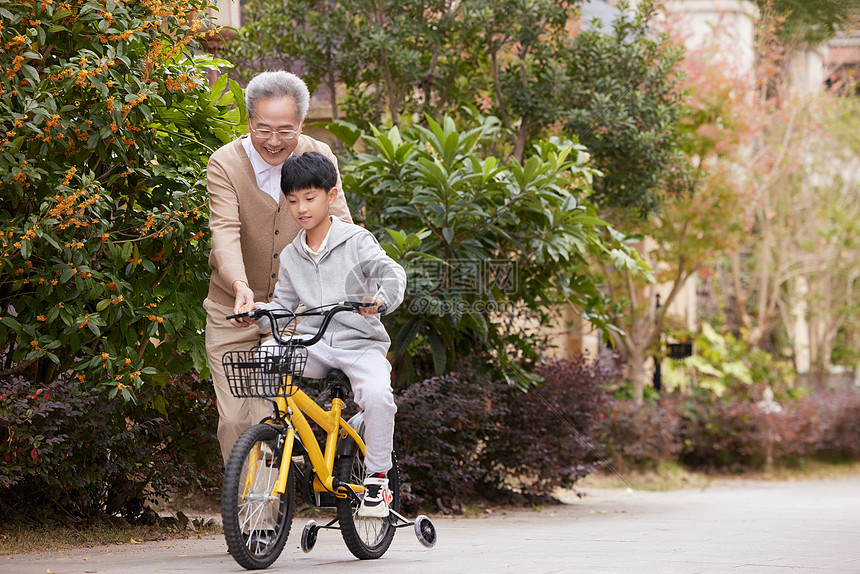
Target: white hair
[{"x": 277, "y": 85}]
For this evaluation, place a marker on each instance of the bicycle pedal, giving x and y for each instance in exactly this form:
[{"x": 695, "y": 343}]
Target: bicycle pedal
[
  {"x": 343, "y": 491},
  {"x": 326, "y": 500}
]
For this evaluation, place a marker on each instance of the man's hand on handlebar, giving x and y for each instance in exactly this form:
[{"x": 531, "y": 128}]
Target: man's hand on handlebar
[{"x": 244, "y": 303}]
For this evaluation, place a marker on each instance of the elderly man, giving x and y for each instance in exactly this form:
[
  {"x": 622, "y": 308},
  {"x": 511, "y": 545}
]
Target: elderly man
[{"x": 251, "y": 225}]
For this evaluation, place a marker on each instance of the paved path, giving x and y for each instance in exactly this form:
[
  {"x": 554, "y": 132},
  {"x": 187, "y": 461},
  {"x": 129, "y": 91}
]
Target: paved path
[{"x": 810, "y": 527}]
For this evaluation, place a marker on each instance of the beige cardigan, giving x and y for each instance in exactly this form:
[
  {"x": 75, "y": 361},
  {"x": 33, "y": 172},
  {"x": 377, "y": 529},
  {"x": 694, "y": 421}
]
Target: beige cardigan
[{"x": 249, "y": 230}]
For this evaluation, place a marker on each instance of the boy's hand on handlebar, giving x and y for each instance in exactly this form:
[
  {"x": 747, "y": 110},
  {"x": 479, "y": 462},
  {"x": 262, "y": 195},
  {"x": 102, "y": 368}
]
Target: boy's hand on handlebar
[{"x": 371, "y": 309}]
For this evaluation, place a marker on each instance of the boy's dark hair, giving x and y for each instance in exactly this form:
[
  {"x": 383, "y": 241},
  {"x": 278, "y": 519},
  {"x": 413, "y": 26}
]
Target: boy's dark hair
[{"x": 307, "y": 171}]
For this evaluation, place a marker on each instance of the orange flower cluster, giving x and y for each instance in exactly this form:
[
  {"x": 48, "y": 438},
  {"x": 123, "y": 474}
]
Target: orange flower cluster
[
  {"x": 137, "y": 101},
  {"x": 70, "y": 209},
  {"x": 182, "y": 83},
  {"x": 150, "y": 221},
  {"x": 16, "y": 66},
  {"x": 69, "y": 175},
  {"x": 84, "y": 73},
  {"x": 117, "y": 37},
  {"x": 59, "y": 75},
  {"x": 19, "y": 39},
  {"x": 85, "y": 134}
]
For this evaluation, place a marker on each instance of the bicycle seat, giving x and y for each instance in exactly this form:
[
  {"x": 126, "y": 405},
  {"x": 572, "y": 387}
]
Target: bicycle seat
[{"x": 337, "y": 378}]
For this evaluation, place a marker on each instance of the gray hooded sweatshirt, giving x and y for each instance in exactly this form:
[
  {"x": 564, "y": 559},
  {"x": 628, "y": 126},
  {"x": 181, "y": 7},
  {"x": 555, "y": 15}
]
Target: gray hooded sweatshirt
[{"x": 353, "y": 266}]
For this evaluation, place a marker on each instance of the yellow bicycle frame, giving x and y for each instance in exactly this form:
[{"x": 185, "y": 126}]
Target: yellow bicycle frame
[{"x": 295, "y": 406}]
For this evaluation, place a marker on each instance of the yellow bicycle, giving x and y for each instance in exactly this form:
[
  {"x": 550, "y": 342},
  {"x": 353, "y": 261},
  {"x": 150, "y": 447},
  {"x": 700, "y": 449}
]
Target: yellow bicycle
[{"x": 271, "y": 458}]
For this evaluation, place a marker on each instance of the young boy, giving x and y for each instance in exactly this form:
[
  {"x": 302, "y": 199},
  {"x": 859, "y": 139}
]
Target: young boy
[{"x": 332, "y": 261}]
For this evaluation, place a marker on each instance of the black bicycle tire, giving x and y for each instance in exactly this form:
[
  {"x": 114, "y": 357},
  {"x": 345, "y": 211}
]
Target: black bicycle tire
[
  {"x": 347, "y": 508},
  {"x": 236, "y": 541}
]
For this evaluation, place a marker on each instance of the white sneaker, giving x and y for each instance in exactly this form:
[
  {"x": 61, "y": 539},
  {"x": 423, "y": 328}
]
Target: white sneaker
[{"x": 377, "y": 497}]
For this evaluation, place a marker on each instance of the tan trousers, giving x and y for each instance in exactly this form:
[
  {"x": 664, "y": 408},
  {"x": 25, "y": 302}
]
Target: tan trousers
[{"x": 234, "y": 415}]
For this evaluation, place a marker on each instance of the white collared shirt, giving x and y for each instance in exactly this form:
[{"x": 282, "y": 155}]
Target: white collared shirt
[
  {"x": 268, "y": 176},
  {"x": 315, "y": 255}
]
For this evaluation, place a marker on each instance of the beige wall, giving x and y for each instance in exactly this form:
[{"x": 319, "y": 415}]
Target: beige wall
[
  {"x": 571, "y": 336},
  {"x": 228, "y": 13},
  {"x": 724, "y": 25}
]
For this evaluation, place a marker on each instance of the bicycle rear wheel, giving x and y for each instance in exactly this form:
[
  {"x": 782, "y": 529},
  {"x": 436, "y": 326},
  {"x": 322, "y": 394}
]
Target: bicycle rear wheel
[
  {"x": 255, "y": 526},
  {"x": 366, "y": 538}
]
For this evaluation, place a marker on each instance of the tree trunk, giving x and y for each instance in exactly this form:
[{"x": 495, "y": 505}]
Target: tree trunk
[
  {"x": 390, "y": 91},
  {"x": 636, "y": 373},
  {"x": 332, "y": 89}
]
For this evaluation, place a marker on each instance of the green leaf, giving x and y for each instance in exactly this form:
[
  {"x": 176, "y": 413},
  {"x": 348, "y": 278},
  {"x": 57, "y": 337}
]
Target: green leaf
[
  {"x": 11, "y": 322},
  {"x": 448, "y": 234},
  {"x": 91, "y": 325},
  {"x": 406, "y": 335},
  {"x": 391, "y": 250},
  {"x": 398, "y": 237},
  {"x": 440, "y": 353},
  {"x": 239, "y": 98},
  {"x": 588, "y": 220},
  {"x": 217, "y": 89},
  {"x": 346, "y": 132},
  {"x": 125, "y": 252}
]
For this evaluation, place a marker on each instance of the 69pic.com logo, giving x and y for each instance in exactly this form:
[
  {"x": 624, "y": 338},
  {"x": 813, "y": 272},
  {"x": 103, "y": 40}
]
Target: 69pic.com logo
[
  {"x": 426, "y": 305},
  {"x": 437, "y": 288}
]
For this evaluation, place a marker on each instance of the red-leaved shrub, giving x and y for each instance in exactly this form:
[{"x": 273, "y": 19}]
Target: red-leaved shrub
[{"x": 463, "y": 435}]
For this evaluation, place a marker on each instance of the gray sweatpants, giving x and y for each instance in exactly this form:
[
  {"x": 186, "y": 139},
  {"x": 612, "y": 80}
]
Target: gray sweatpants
[{"x": 369, "y": 372}]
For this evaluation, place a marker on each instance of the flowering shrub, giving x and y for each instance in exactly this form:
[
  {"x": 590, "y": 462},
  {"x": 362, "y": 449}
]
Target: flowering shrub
[{"x": 106, "y": 124}]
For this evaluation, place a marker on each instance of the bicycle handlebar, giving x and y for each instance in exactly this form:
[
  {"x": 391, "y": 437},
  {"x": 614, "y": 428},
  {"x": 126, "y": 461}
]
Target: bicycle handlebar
[{"x": 274, "y": 315}]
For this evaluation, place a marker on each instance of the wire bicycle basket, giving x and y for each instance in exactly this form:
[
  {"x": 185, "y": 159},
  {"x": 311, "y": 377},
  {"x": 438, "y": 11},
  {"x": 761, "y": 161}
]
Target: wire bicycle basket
[{"x": 262, "y": 371}]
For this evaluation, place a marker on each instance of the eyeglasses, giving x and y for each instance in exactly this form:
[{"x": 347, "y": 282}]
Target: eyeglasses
[{"x": 283, "y": 135}]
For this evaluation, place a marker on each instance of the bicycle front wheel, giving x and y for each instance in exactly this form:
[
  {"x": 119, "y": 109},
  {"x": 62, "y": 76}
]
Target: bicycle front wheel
[
  {"x": 366, "y": 538},
  {"x": 256, "y": 524}
]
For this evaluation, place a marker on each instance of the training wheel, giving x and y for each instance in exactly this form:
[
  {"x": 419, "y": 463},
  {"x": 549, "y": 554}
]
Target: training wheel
[
  {"x": 309, "y": 536},
  {"x": 425, "y": 531}
]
